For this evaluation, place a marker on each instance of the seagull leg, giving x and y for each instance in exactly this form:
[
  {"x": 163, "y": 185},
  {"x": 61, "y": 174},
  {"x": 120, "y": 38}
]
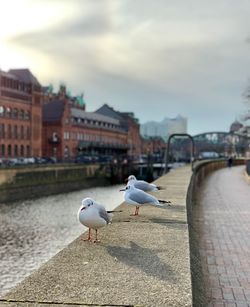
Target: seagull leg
[
  {"x": 96, "y": 240},
  {"x": 136, "y": 211},
  {"x": 89, "y": 236}
]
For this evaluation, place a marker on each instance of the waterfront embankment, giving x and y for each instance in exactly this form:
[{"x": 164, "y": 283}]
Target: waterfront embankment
[
  {"x": 148, "y": 260},
  {"x": 26, "y": 183}
]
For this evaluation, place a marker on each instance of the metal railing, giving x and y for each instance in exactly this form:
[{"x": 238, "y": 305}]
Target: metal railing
[{"x": 168, "y": 149}]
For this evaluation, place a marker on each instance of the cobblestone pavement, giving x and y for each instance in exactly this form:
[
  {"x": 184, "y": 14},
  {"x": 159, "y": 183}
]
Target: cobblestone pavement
[{"x": 224, "y": 222}]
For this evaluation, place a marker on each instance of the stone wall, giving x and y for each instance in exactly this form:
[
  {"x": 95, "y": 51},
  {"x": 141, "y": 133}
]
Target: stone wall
[{"x": 20, "y": 184}]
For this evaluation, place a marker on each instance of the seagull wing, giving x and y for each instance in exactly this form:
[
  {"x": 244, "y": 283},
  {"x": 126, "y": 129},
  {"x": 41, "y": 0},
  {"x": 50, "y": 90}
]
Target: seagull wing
[
  {"x": 103, "y": 214},
  {"x": 141, "y": 197},
  {"x": 142, "y": 185}
]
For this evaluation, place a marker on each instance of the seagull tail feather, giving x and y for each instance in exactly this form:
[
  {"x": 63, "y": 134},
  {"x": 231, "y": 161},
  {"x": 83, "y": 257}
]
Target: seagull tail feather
[
  {"x": 158, "y": 187},
  {"x": 164, "y": 202}
]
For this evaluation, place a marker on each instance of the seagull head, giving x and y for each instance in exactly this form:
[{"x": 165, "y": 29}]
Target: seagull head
[
  {"x": 131, "y": 178},
  {"x": 86, "y": 203},
  {"x": 126, "y": 188}
]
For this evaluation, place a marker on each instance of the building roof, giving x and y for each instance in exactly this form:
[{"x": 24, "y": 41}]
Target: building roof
[
  {"x": 24, "y": 75},
  {"x": 121, "y": 116},
  {"x": 53, "y": 111},
  {"x": 8, "y": 75},
  {"x": 94, "y": 116},
  {"x": 109, "y": 111}
]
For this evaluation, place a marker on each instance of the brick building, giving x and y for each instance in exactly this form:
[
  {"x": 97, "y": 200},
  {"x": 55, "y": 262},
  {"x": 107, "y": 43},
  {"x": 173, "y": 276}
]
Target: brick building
[
  {"x": 130, "y": 124},
  {"x": 69, "y": 131},
  {"x": 153, "y": 145},
  {"x": 20, "y": 114}
]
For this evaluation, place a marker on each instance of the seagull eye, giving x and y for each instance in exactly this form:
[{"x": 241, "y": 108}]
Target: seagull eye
[{"x": 89, "y": 205}]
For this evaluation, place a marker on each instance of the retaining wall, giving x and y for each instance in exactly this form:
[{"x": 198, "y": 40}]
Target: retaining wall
[{"x": 19, "y": 184}]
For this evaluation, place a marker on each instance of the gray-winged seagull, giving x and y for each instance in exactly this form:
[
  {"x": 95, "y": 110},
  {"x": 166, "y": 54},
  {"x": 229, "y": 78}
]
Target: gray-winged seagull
[
  {"x": 136, "y": 197},
  {"x": 94, "y": 216}
]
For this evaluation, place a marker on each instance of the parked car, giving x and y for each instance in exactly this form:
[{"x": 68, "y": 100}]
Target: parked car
[{"x": 83, "y": 159}]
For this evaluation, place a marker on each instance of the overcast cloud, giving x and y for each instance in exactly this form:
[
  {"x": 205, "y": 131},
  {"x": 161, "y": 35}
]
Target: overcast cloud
[{"x": 155, "y": 58}]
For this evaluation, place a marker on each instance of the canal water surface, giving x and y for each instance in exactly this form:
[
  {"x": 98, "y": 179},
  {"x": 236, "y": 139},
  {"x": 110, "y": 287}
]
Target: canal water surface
[{"x": 33, "y": 231}]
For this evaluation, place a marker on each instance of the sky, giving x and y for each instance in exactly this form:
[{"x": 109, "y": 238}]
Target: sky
[{"x": 154, "y": 58}]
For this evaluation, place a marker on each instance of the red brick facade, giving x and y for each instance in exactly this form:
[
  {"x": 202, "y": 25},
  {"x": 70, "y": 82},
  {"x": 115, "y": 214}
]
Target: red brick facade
[
  {"x": 20, "y": 114},
  {"x": 35, "y": 122},
  {"x": 71, "y": 131}
]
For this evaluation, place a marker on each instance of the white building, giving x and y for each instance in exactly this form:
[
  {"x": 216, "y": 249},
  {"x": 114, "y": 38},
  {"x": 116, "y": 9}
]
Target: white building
[{"x": 164, "y": 128}]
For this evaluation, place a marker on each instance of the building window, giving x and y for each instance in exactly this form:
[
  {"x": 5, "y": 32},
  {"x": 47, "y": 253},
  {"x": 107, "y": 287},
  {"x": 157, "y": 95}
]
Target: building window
[
  {"x": 8, "y": 112},
  {"x": 2, "y": 131},
  {"x": 66, "y": 152},
  {"x": 27, "y": 115},
  {"x": 2, "y": 111},
  {"x": 28, "y": 133},
  {"x": 15, "y": 134},
  {"x": 21, "y": 132},
  {"x": 9, "y": 131},
  {"x": 15, "y": 151},
  {"x": 22, "y": 150},
  {"x": 28, "y": 151},
  {"x": 2, "y": 150},
  {"x": 14, "y": 113},
  {"x": 9, "y": 151},
  {"x": 21, "y": 114}
]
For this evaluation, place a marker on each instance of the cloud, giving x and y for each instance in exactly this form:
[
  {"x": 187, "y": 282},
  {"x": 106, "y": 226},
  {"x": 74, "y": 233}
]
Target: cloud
[{"x": 180, "y": 57}]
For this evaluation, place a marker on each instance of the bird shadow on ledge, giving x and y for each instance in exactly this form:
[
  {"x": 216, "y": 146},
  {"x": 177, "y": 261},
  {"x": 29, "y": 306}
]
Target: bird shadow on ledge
[
  {"x": 144, "y": 259},
  {"x": 170, "y": 223}
]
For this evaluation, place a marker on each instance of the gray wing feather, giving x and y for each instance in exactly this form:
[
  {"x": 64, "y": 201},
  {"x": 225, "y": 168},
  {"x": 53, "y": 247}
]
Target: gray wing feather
[
  {"x": 142, "y": 185},
  {"x": 103, "y": 214},
  {"x": 142, "y": 198}
]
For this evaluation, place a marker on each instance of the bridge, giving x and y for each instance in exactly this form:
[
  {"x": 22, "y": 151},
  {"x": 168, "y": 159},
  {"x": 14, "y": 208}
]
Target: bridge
[{"x": 156, "y": 259}]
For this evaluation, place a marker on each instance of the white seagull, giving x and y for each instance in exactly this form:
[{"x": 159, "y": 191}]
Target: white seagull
[
  {"x": 137, "y": 198},
  {"x": 94, "y": 216},
  {"x": 143, "y": 185}
]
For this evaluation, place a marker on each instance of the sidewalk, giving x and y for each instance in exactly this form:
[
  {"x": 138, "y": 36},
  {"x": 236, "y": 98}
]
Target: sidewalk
[
  {"x": 141, "y": 261},
  {"x": 223, "y": 223}
]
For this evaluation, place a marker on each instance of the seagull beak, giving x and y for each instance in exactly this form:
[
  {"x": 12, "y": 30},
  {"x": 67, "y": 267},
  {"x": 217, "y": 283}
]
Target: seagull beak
[
  {"x": 122, "y": 190},
  {"x": 83, "y": 208}
]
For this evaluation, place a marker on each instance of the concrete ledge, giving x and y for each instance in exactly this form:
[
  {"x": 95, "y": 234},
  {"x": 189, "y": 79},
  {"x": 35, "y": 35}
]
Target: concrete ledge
[{"x": 141, "y": 261}]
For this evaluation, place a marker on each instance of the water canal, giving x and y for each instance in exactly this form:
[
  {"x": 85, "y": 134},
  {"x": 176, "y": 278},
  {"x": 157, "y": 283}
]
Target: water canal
[{"x": 33, "y": 231}]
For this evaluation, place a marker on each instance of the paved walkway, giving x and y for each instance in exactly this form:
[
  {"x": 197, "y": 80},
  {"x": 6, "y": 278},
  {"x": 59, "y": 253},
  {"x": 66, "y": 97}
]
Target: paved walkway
[{"x": 224, "y": 222}]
